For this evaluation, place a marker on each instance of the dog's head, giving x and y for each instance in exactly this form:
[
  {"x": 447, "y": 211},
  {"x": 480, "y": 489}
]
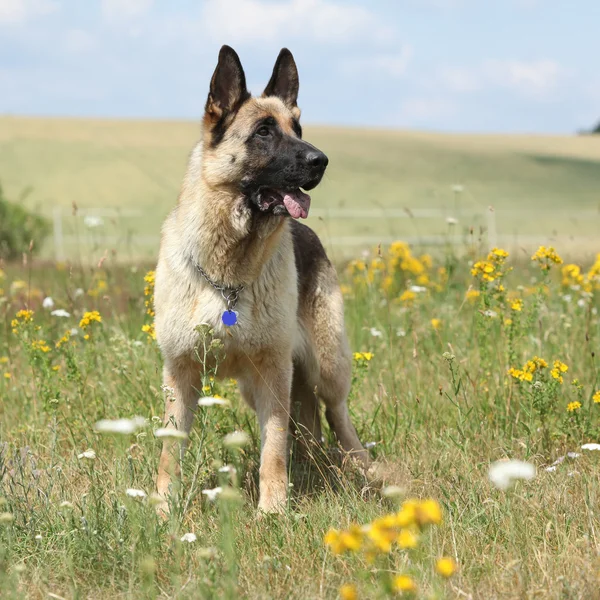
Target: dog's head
[{"x": 255, "y": 145}]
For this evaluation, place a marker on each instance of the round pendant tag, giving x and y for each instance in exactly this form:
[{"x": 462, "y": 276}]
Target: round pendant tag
[{"x": 229, "y": 318}]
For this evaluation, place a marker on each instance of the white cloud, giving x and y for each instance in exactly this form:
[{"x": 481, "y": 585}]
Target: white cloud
[
  {"x": 460, "y": 79},
  {"x": 537, "y": 78},
  {"x": 19, "y": 11},
  {"x": 125, "y": 10},
  {"x": 390, "y": 64},
  {"x": 238, "y": 21}
]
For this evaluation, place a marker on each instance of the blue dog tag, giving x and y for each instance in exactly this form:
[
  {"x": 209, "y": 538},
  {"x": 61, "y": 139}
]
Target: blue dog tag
[{"x": 229, "y": 318}]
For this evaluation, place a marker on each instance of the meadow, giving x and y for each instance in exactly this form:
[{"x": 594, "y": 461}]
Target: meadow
[
  {"x": 466, "y": 357},
  {"x": 543, "y": 189},
  {"x": 462, "y": 359}
]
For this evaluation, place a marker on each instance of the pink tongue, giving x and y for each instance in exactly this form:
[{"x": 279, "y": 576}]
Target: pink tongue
[{"x": 297, "y": 203}]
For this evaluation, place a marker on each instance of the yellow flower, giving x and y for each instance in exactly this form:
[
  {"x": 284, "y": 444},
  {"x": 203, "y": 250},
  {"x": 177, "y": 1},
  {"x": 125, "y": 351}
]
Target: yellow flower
[
  {"x": 573, "y": 406},
  {"x": 446, "y": 567},
  {"x": 484, "y": 270},
  {"x": 407, "y": 296},
  {"x": 498, "y": 253},
  {"x": 64, "y": 339},
  {"x": 407, "y": 539},
  {"x": 436, "y": 323},
  {"x": 56, "y": 368},
  {"x": 206, "y": 388},
  {"x": 404, "y": 583},
  {"x": 40, "y": 345},
  {"x": 516, "y": 304},
  {"x": 21, "y": 318},
  {"x": 387, "y": 283},
  {"x": 3, "y": 360},
  {"x": 149, "y": 330},
  {"x": 429, "y": 512},
  {"x": 90, "y": 317},
  {"x": 358, "y": 356},
  {"x": 86, "y": 337},
  {"x": 472, "y": 295},
  {"x": 558, "y": 370},
  {"x": 596, "y": 397},
  {"x": 348, "y": 592},
  {"x": 546, "y": 256},
  {"x": 7, "y": 375}
]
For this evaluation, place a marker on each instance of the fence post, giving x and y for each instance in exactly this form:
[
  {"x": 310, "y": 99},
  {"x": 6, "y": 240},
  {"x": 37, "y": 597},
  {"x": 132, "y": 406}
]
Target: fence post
[{"x": 59, "y": 250}]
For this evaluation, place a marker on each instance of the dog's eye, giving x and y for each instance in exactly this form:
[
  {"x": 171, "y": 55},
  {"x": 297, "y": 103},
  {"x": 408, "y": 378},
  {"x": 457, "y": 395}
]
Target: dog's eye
[{"x": 263, "y": 131}]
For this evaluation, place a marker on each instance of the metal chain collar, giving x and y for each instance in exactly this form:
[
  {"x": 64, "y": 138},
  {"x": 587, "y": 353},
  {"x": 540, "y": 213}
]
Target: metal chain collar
[{"x": 230, "y": 295}]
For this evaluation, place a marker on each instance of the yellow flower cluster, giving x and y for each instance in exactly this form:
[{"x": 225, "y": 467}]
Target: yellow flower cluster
[
  {"x": 64, "y": 339},
  {"x": 558, "y": 368},
  {"x": 490, "y": 269},
  {"x": 436, "y": 324},
  {"x": 516, "y": 304},
  {"x": 547, "y": 256},
  {"x": 89, "y": 318},
  {"x": 360, "y": 356},
  {"x": 401, "y": 528},
  {"x": 573, "y": 277},
  {"x": 23, "y": 317},
  {"x": 537, "y": 364},
  {"x": 149, "y": 331},
  {"x": 40, "y": 345},
  {"x": 596, "y": 397},
  {"x": 150, "y": 279},
  {"x": 529, "y": 368},
  {"x": 573, "y": 406},
  {"x": 472, "y": 295}
]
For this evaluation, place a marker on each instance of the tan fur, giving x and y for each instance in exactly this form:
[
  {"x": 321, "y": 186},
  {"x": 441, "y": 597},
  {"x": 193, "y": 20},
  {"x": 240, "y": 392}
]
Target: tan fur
[{"x": 213, "y": 226}]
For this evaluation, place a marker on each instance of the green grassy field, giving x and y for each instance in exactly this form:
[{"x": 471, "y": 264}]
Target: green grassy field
[
  {"x": 435, "y": 401},
  {"x": 542, "y": 188}
]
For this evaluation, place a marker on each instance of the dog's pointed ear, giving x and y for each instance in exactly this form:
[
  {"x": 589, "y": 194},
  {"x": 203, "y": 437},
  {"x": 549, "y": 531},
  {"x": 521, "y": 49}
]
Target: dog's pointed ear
[
  {"x": 227, "y": 87},
  {"x": 284, "y": 81}
]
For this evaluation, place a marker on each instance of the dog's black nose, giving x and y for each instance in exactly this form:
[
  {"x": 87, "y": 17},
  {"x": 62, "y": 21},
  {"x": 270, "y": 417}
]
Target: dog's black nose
[{"x": 317, "y": 159}]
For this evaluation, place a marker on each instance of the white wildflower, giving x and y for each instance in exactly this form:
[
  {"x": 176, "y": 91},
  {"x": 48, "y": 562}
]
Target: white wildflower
[
  {"x": 490, "y": 313},
  {"x": 133, "y": 493},
  {"x": 375, "y": 332},
  {"x": 171, "y": 432},
  {"x": 573, "y": 454},
  {"x": 369, "y": 445},
  {"x": 567, "y": 298},
  {"x": 48, "y": 303},
  {"x": 92, "y": 222},
  {"x": 551, "y": 469},
  {"x": 400, "y": 332},
  {"x": 212, "y": 494},
  {"x": 123, "y": 426},
  {"x": 74, "y": 331},
  {"x": 417, "y": 289},
  {"x": 581, "y": 303},
  {"x": 227, "y": 469},
  {"x": 590, "y": 447},
  {"x": 236, "y": 439},
  {"x": 38, "y": 536},
  {"x": 190, "y": 538},
  {"x": 78, "y": 293},
  {"x": 89, "y": 454},
  {"x": 451, "y": 221},
  {"x": 212, "y": 401},
  {"x": 503, "y": 473},
  {"x": 60, "y": 312}
]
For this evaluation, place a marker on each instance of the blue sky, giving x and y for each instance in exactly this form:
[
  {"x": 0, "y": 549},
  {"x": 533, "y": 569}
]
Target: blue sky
[{"x": 453, "y": 65}]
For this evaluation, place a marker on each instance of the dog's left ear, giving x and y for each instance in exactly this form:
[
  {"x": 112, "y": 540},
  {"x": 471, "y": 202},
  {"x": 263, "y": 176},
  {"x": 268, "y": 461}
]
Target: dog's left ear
[{"x": 284, "y": 80}]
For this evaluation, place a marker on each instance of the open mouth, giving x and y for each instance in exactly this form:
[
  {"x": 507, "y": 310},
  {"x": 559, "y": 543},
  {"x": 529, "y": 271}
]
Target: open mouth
[{"x": 296, "y": 203}]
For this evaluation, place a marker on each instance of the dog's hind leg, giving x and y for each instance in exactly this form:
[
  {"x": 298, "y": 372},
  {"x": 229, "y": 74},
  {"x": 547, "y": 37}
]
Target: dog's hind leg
[
  {"x": 306, "y": 421},
  {"x": 181, "y": 384},
  {"x": 332, "y": 350}
]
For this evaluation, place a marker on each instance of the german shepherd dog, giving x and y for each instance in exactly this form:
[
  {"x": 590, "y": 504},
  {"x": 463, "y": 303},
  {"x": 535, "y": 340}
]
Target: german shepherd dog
[{"x": 234, "y": 256}]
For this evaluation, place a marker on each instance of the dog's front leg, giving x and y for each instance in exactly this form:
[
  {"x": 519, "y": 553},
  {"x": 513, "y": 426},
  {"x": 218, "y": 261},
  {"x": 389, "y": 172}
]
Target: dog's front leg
[
  {"x": 181, "y": 383},
  {"x": 269, "y": 393}
]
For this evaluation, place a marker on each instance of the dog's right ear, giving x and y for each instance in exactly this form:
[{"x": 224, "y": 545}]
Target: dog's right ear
[{"x": 227, "y": 87}]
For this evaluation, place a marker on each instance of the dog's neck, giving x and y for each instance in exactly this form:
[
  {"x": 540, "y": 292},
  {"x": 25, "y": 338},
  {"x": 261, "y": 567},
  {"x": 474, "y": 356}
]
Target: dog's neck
[{"x": 222, "y": 234}]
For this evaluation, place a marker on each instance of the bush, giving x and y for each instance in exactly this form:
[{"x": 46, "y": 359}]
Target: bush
[{"x": 18, "y": 227}]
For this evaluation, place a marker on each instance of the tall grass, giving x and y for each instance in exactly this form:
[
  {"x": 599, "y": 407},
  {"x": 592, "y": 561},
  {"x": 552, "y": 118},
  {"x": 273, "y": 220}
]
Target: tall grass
[{"x": 449, "y": 377}]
